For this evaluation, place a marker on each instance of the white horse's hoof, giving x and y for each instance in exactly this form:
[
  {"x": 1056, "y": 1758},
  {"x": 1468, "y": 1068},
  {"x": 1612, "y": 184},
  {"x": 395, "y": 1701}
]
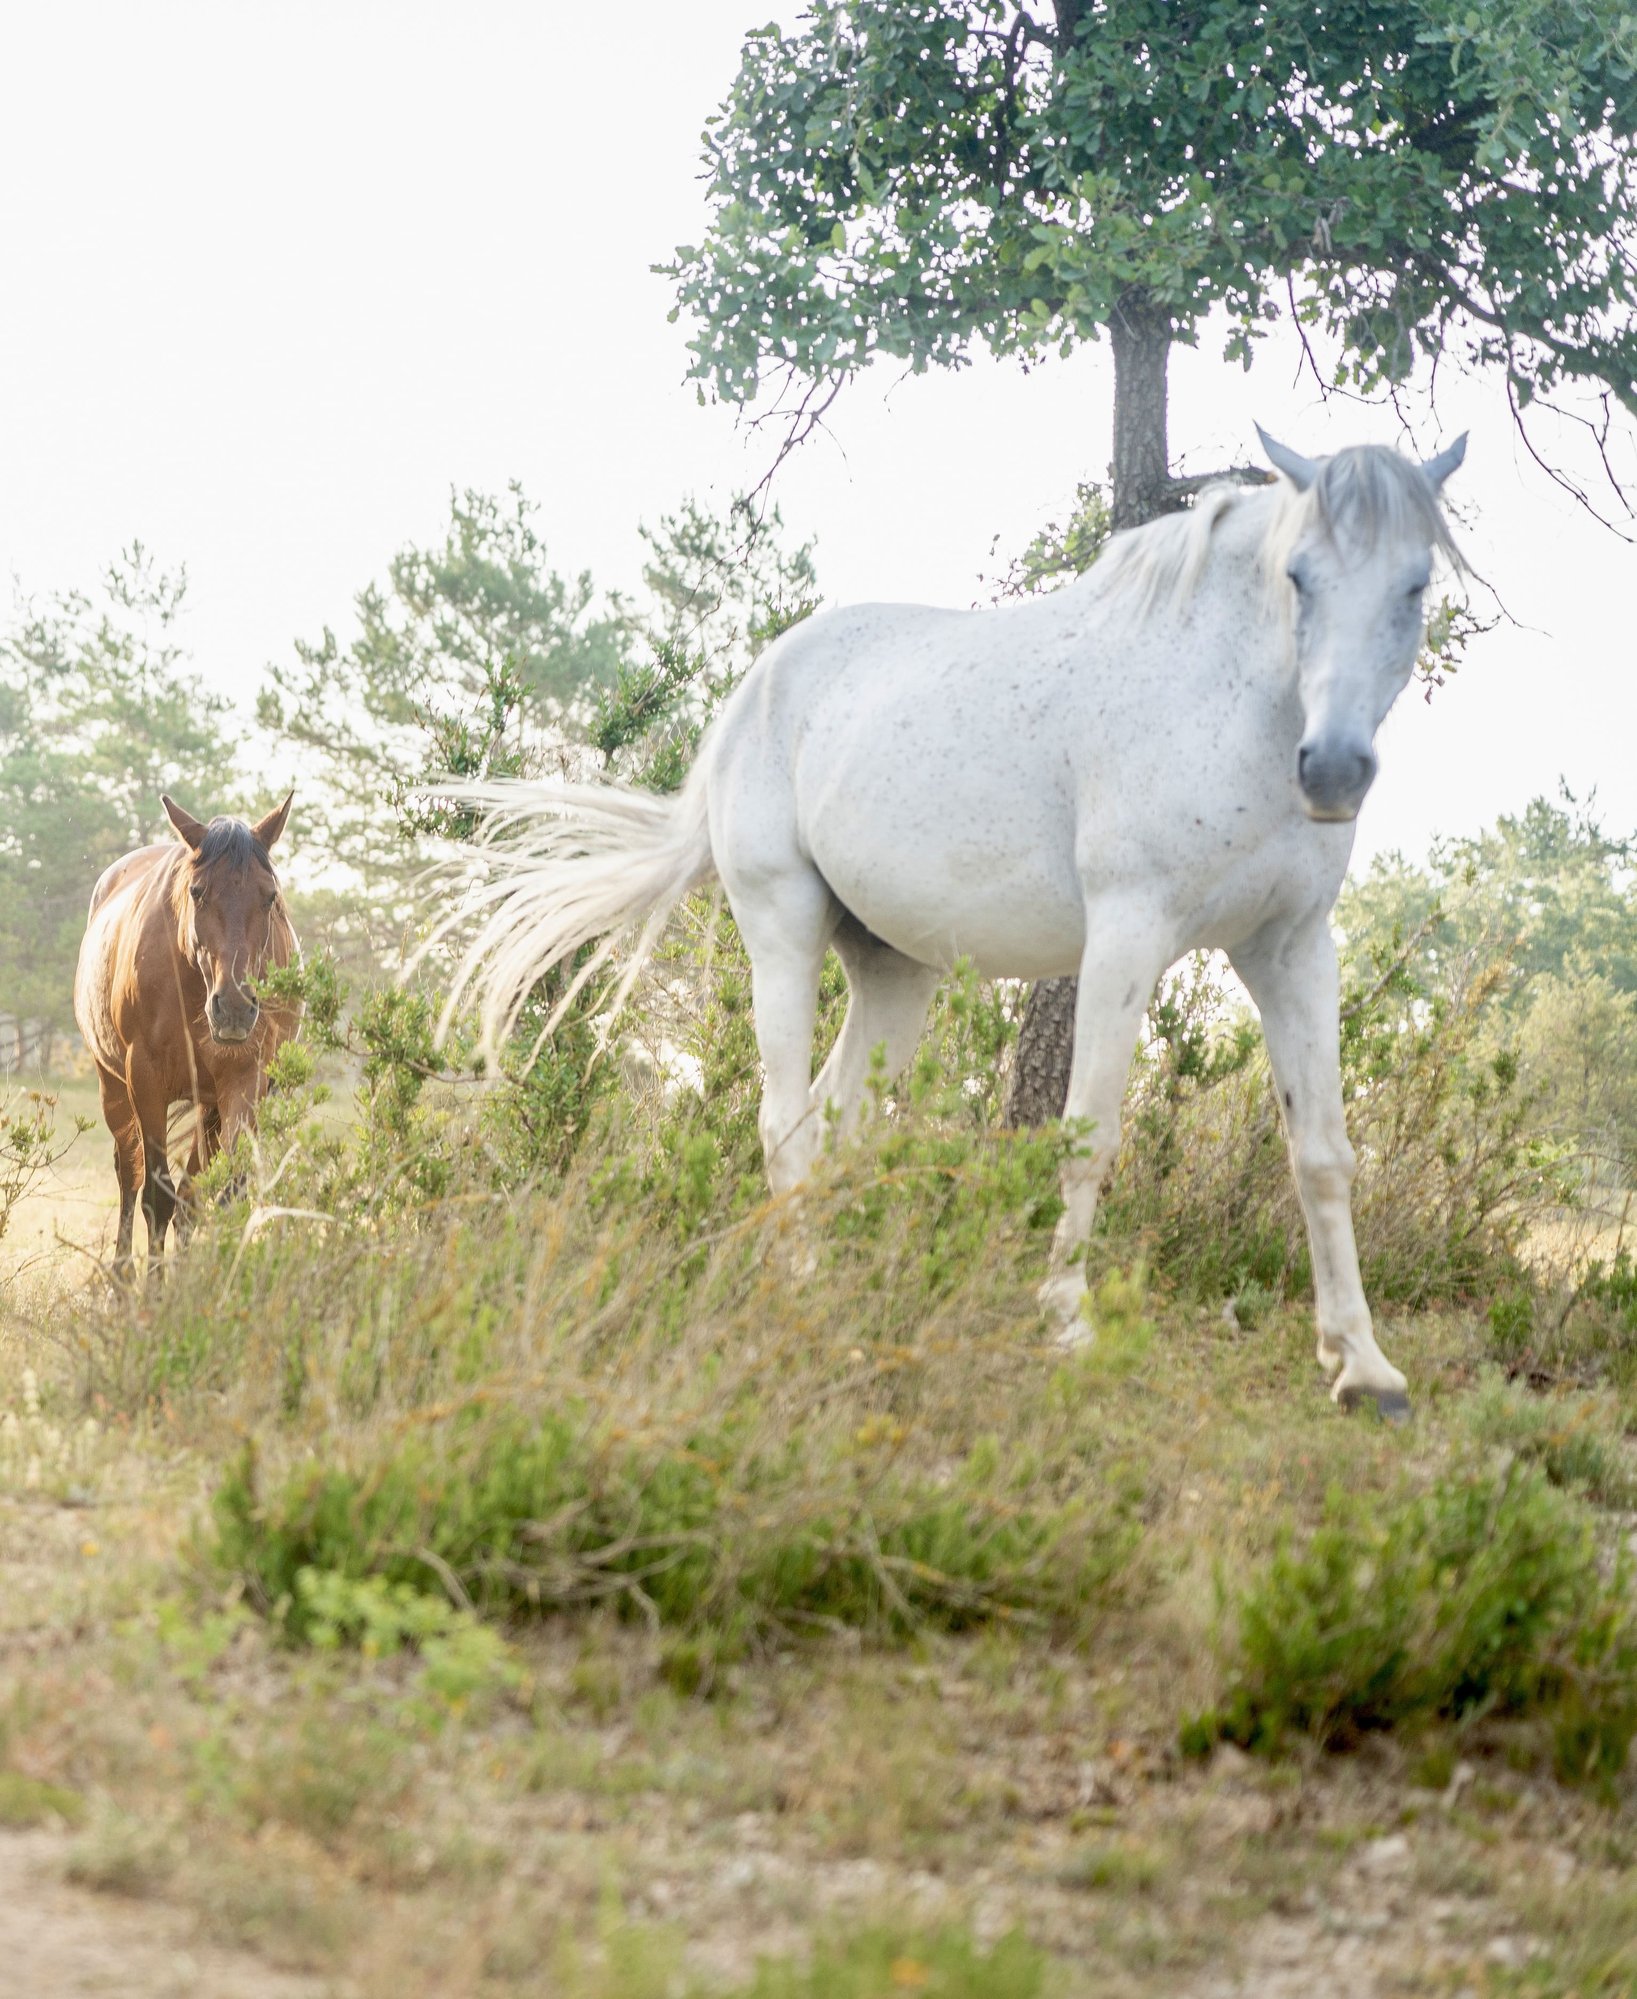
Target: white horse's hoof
[
  {"x": 1389, "y": 1392},
  {"x": 1062, "y": 1299}
]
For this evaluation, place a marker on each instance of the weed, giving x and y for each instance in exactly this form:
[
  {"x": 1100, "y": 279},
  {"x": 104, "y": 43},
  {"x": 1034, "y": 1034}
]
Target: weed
[
  {"x": 462, "y": 1658},
  {"x": 1120, "y": 1866},
  {"x": 255, "y": 1902},
  {"x": 123, "y": 1854},
  {"x": 29, "y": 1801},
  {"x": 320, "y": 1777}
]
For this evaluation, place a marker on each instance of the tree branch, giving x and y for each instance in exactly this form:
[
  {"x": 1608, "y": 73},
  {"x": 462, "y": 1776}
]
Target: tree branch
[
  {"x": 1187, "y": 486},
  {"x": 1069, "y": 14},
  {"x": 1562, "y": 479}
]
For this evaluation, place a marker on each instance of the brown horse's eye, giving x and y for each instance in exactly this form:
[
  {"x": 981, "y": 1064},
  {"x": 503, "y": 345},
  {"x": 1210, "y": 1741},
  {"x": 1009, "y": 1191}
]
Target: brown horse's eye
[{"x": 197, "y": 891}]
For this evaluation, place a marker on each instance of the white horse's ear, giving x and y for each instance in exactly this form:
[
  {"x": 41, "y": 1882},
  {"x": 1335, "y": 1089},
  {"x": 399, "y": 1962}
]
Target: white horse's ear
[
  {"x": 1300, "y": 471},
  {"x": 192, "y": 830},
  {"x": 1448, "y": 460}
]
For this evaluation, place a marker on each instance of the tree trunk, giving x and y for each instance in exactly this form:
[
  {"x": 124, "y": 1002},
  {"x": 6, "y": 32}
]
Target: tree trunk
[{"x": 1140, "y": 333}]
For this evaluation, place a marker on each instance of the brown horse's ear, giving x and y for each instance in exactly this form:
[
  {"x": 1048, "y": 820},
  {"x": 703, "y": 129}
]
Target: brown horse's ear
[
  {"x": 267, "y": 830},
  {"x": 192, "y": 830}
]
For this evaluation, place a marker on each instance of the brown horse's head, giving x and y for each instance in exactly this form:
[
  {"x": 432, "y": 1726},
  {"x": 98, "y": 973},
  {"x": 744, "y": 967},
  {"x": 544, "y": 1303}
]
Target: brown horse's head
[{"x": 227, "y": 908}]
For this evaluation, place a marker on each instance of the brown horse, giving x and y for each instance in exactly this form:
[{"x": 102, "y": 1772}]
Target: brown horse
[{"x": 165, "y": 997}]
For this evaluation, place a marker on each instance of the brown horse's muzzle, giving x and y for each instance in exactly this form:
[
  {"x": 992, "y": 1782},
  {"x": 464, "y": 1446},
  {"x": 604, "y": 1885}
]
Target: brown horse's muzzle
[{"x": 232, "y": 1016}]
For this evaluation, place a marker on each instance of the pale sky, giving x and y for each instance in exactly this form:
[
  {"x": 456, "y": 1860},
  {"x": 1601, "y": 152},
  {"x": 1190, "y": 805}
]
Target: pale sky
[{"x": 281, "y": 276}]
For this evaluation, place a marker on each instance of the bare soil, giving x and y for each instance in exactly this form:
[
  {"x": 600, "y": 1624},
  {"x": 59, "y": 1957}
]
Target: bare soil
[{"x": 61, "y": 1942}]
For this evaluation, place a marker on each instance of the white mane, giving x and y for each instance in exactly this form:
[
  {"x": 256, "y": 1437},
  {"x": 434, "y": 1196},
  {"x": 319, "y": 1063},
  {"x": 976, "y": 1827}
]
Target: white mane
[{"x": 1361, "y": 495}]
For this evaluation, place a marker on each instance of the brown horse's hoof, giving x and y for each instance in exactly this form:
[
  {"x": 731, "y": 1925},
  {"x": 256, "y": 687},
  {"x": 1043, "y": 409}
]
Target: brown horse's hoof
[{"x": 1392, "y": 1403}]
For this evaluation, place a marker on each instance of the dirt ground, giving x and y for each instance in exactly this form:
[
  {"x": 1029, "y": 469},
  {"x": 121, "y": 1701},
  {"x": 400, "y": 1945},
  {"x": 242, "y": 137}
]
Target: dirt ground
[
  {"x": 70, "y": 1218},
  {"x": 65, "y": 1942}
]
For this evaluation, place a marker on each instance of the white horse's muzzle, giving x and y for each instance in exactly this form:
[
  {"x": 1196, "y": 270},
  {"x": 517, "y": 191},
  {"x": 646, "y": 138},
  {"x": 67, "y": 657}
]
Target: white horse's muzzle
[{"x": 1334, "y": 779}]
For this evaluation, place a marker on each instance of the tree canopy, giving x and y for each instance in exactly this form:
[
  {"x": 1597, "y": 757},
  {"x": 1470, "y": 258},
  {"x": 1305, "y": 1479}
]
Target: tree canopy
[
  {"x": 1546, "y": 888},
  {"x": 908, "y": 177}
]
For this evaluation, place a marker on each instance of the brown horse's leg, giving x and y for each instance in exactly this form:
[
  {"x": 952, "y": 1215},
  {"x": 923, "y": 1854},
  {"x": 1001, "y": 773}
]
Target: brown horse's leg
[
  {"x": 151, "y": 1103},
  {"x": 207, "y": 1142},
  {"x": 238, "y": 1092},
  {"x": 120, "y": 1118}
]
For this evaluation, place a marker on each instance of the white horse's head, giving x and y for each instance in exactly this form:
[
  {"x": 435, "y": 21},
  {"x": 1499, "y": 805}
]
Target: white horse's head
[{"x": 1356, "y": 540}]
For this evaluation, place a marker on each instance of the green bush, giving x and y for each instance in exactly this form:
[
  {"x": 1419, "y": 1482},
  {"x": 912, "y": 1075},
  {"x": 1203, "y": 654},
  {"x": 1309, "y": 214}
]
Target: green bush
[
  {"x": 1484, "y": 1596},
  {"x": 732, "y": 1530}
]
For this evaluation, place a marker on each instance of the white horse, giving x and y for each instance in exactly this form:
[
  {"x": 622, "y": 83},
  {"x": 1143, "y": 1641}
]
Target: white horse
[{"x": 1166, "y": 754}]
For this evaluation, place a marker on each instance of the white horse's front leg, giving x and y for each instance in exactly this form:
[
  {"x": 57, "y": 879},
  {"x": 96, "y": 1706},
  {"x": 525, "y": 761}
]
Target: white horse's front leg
[
  {"x": 1117, "y": 973},
  {"x": 1292, "y": 978}
]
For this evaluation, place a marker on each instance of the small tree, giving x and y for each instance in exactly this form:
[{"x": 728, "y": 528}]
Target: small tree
[
  {"x": 1544, "y": 888},
  {"x": 477, "y": 659},
  {"x": 1549, "y": 895},
  {"x": 1412, "y": 177},
  {"x": 100, "y": 711},
  {"x": 477, "y": 634}
]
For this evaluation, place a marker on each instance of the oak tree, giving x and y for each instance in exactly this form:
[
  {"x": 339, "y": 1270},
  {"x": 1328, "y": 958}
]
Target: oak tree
[{"x": 1403, "y": 179}]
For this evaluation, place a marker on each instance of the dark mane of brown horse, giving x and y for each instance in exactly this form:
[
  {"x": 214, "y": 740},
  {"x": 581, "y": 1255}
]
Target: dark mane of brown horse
[{"x": 231, "y": 840}]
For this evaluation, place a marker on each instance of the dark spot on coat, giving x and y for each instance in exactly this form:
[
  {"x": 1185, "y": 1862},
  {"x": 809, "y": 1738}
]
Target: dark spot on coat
[{"x": 1290, "y": 1101}]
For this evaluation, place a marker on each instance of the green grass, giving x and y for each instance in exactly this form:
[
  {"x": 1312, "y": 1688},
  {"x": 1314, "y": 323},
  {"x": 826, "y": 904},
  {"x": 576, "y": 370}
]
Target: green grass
[
  {"x": 873, "y": 1962},
  {"x": 27, "y": 1801},
  {"x": 945, "y": 1965}
]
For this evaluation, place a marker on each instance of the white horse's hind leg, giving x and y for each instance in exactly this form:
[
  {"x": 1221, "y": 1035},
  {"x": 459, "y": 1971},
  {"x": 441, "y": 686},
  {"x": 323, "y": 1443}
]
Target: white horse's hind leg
[
  {"x": 887, "y": 1000},
  {"x": 1122, "y": 959},
  {"x": 786, "y": 920},
  {"x": 1292, "y": 978}
]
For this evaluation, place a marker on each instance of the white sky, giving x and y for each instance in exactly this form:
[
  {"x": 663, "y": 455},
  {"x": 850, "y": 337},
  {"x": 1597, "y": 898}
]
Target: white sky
[{"x": 279, "y": 276}]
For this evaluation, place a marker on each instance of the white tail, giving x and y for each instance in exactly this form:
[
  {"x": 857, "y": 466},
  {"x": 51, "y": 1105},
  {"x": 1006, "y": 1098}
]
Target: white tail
[{"x": 568, "y": 864}]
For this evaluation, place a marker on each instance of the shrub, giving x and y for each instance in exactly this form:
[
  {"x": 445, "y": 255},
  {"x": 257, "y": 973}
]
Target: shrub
[
  {"x": 724, "y": 1529},
  {"x": 1450, "y": 1169},
  {"x": 1578, "y": 1441},
  {"x": 1613, "y": 1286},
  {"x": 1484, "y": 1596}
]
